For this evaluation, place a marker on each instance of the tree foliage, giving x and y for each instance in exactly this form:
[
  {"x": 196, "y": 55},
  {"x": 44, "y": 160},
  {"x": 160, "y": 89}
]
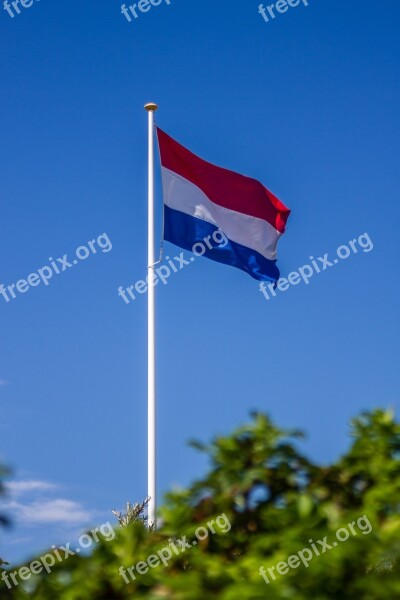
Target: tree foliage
[{"x": 276, "y": 500}]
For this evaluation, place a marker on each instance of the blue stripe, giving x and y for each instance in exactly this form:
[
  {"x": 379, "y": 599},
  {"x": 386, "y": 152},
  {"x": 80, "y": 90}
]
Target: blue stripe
[{"x": 184, "y": 231}]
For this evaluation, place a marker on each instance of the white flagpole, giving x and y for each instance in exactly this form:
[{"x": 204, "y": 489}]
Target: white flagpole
[{"x": 151, "y": 356}]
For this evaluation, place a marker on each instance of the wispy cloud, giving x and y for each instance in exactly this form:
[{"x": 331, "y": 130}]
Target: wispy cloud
[
  {"x": 31, "y": 502},
  {"x": 49, "y": 511},
  {"x": 19, "y": 488},
  {"x": 18, "y": 540},
  {"x": 3, "y": 382}
]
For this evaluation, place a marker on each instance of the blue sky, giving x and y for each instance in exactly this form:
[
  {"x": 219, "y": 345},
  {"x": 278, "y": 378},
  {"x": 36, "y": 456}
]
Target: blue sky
[{"x": 308, "y": 104}]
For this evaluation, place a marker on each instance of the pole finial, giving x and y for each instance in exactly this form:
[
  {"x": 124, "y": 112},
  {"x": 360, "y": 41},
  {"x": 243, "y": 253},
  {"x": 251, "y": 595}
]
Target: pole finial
[{"x": 151, "y": 106}]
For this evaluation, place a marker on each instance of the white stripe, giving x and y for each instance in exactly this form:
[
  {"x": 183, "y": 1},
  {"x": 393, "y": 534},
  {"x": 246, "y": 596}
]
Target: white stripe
[{"x": 252, "y": 232}]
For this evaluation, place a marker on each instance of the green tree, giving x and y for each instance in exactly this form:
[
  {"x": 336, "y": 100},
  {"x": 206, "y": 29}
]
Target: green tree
[{"x": 277, "y": 503}]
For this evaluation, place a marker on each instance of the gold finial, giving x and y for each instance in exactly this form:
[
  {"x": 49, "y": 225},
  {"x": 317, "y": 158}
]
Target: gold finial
[{"x": 151, "y": 106}]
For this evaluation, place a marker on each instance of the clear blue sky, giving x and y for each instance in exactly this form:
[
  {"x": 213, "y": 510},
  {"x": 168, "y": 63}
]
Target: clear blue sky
[{"x": 307, "y": 103}]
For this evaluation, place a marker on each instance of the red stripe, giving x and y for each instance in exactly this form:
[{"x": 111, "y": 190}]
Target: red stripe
[{"x": 226, "y": 188}]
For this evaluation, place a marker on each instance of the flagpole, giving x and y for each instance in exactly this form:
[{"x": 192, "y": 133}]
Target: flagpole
[{"x": 151, "y": 355}]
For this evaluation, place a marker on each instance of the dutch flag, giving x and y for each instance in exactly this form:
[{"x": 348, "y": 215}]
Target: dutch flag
[{"x": 201, "y": 198}]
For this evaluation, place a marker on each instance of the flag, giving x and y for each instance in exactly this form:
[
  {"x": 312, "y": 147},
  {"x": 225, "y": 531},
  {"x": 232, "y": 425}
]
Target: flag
[{"x": 201, "y": 199}]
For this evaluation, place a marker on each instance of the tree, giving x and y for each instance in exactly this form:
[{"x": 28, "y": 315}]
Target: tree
[{"x": 284, "y": 527}]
